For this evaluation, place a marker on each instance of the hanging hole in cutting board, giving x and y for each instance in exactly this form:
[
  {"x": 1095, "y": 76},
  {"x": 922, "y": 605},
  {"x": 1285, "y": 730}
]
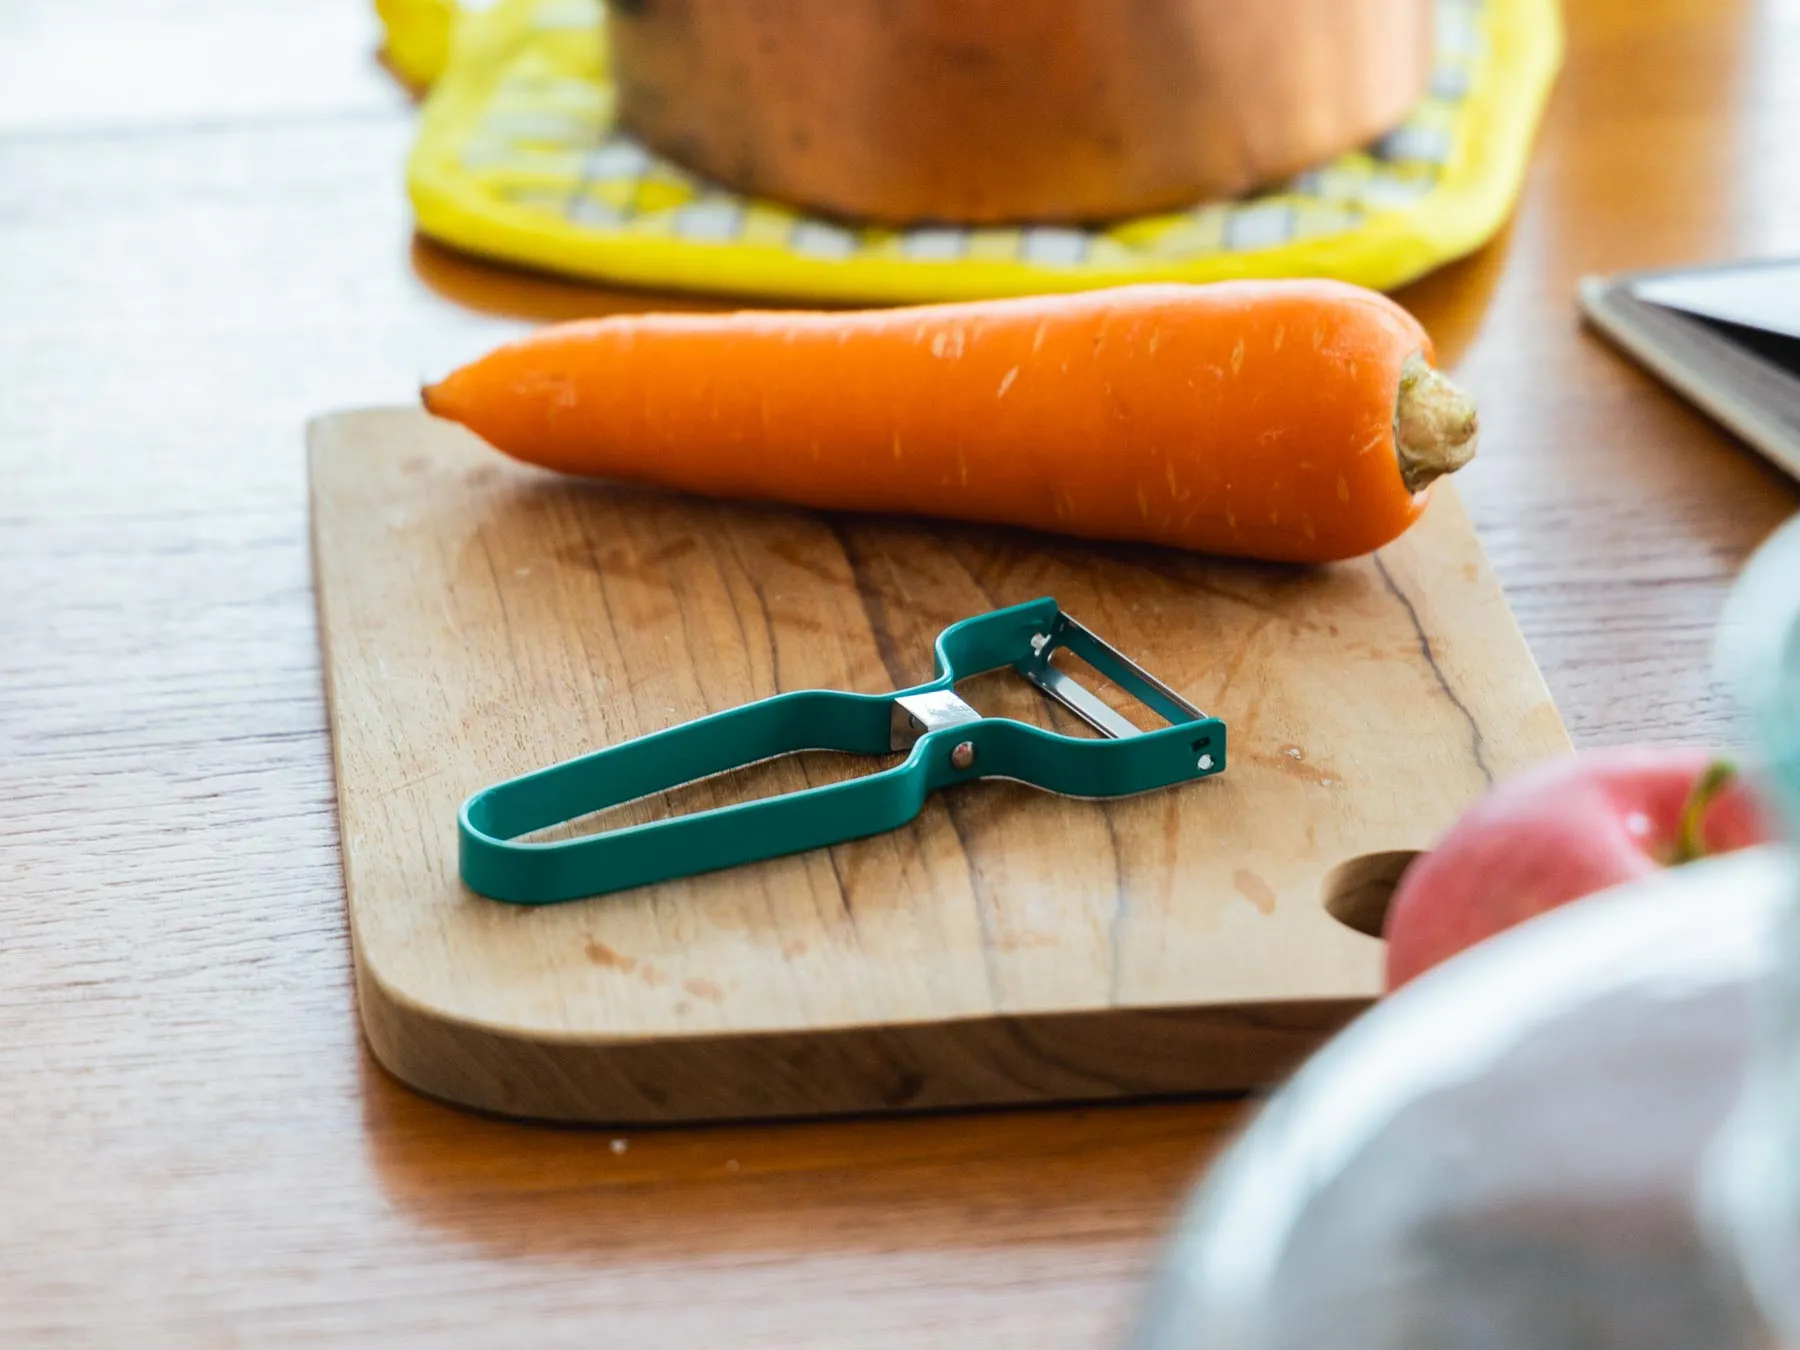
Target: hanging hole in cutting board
[{"x": 1357, "y": 892}]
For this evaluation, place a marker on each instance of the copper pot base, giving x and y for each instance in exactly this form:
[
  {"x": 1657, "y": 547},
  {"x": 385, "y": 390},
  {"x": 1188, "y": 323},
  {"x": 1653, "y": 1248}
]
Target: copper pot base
[{"x": 990, "y": 111}]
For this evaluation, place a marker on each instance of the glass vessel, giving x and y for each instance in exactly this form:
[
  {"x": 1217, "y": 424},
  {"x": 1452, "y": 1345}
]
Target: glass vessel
[{"x": 1584, "y": 1132}]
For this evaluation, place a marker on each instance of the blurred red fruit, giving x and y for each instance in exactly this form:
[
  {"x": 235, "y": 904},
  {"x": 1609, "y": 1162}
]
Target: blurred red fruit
[{"x": 1561, "y": 831}]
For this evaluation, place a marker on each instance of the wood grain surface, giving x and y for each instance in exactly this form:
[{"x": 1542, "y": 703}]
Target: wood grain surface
[
  {"x": 203, "y": 242},
  {"x": 482, "y": 619}
]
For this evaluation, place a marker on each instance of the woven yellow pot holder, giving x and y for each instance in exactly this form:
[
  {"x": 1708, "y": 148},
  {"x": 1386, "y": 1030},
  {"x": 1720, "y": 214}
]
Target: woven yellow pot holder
[{"x": 518, "y": 159}]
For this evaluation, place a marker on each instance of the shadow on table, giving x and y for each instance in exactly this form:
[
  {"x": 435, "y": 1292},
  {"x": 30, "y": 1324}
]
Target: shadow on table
[
  {"x": 1451, "y": 302},
  {"x": 866, "y": 1185},
  {"x": 509, "y": 292}
]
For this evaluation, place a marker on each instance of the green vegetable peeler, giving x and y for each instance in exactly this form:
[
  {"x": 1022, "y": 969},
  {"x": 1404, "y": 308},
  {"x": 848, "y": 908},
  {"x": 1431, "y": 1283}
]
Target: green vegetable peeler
[{"x": 950, "y": 743}]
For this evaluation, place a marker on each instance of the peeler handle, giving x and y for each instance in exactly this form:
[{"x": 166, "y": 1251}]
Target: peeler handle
[{"x": 496, "y": 863}]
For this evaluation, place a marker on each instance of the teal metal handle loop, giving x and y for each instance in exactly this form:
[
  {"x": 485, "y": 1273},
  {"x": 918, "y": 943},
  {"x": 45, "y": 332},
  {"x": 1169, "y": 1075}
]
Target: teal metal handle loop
[
  {"x": 495, "y": 864},
  {"x": 949, "y": 743}
]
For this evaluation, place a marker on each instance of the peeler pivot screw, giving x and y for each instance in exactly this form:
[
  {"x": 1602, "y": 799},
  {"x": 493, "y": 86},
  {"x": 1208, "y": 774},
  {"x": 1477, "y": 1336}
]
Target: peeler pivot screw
[{"x": 964, "y": 754}]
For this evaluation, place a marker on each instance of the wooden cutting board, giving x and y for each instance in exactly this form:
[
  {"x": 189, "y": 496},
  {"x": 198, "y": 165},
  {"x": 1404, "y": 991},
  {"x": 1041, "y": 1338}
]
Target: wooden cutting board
[{"x": 481, "y": 619}]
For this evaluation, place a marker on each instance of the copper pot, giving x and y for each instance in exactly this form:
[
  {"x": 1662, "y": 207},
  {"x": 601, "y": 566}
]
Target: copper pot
[{"x": 1012, "y": 110}]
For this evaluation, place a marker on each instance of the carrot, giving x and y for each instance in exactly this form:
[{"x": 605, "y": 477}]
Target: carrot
[{"x": 1290, "y": 420}]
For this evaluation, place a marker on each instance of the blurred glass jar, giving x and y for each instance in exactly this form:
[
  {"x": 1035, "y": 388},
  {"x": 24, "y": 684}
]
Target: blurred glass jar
[
  {"x": 1585, "y": 1132},
  {"x": 1752, "y": 1190}
]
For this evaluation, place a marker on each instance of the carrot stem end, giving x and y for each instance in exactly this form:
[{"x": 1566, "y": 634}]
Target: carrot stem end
[{"x": 1435, "y": 425}]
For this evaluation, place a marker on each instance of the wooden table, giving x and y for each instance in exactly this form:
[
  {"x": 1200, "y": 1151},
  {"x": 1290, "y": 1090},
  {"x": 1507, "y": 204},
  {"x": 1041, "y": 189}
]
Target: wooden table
[{"x": 203, "y": 240}]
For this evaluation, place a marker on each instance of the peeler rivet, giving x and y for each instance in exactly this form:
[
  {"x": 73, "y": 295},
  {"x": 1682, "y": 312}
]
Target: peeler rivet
[{"x": 964, "y": 754}]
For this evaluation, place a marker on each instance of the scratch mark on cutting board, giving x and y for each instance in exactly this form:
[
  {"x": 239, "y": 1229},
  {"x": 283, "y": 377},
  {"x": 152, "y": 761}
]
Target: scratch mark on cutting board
[
  {"x": 1242, "y": 654},
  {"x": 1254, "y": 889},
  {"x": 602, "y": 955}
]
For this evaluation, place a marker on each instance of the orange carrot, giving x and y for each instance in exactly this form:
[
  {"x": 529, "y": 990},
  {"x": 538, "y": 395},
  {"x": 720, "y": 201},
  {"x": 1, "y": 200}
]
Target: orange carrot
[{"x": 1291, "y": 420}]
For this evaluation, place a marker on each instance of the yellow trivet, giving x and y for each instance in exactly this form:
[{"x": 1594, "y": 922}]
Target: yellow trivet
[{"x": 518, "y": 159}]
